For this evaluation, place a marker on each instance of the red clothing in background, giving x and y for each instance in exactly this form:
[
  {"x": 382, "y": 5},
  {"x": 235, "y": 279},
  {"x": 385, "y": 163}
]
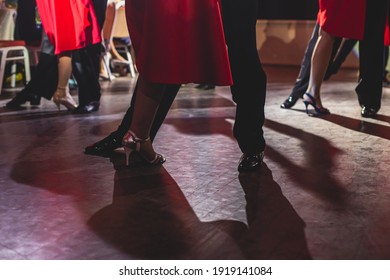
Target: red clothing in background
[
  {"x": 179, "y": 41},
  {"x": 343, "y": 18},
  {"x": 387, "y": 33},
  {"x": 69, "y": 24}
]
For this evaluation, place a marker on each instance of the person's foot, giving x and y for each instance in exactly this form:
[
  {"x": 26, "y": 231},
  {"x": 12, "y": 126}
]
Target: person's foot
[
  {"x": 205, "y": 86},
  {"x": 62, "y": 97},
  {"x": 143, "y": 147},
  {"x": 21, "y": 98},
  {"x": 87, "y": 108},
  {"x": 105, "y": 146},
  {"x": 368, "y": 112},
  {"x": 250, "y": 162},
  {"x": 289, "y": 102},
  {"x": 208, "y": 87},
  {"x": 309, "y": 99}
]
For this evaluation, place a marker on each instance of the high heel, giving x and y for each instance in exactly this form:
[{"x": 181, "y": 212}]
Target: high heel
[
  {"x": 63, "y": 97},
  {"x": 312, "y": 102},
  {"x": 131, "y": 143}
]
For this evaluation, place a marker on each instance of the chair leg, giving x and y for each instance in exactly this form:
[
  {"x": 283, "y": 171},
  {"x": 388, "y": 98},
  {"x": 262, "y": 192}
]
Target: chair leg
[
  {"x": 106, "y": 64},
  {"x": 131, "y": 64},
  {"x": 13, "y": 74},
  {"x": 130, "y": 60},
  {"x": 26, "y": 65},
  {"x": 2, "y": 68}
]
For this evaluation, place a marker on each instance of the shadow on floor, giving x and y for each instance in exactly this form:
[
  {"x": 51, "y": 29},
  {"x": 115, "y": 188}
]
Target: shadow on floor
[{"x": 150, "y": 218}]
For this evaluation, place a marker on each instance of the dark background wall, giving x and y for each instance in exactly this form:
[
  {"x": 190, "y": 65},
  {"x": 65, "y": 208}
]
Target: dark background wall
[{"x": 288, "y": 9}]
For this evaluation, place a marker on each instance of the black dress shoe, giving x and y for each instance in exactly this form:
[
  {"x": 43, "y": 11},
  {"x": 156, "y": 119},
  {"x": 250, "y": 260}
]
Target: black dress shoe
[
  {"x": 289, "y": 102},
  {"x": 368, "y": 112},
  {"x": 208, "y": 87},
  {"x": 22, "y": 97},
  {"x": 205, "y": 86},
  {"x": 105, "y": 146},
  {"x": 250, "y": 162},
  {"x": 88, "y": 108}
]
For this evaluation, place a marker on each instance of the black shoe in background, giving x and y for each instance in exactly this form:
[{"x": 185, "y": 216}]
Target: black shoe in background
[
  {"x": 368, "y": 112},
  {"x": 105, "y": 146},
  {"x": 205, "y": 86},
  {"x": 289, "y": 102},
  {"x": 87, "y": 108},
  {"x": 250, "y": 162},
  {"x": 208, "y": 87},
  {"x": 21, "y": 98}
]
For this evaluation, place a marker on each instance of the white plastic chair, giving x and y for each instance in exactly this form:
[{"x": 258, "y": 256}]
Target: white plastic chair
[
  {"x": 10, "y": 50},
  {"x": 13, "y": 51}
]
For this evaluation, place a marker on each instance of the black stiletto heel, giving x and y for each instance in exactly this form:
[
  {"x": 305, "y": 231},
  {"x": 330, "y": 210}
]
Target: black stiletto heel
[
  {"x": 312, "y": 102},
  {"x": 131, "y": 143}
]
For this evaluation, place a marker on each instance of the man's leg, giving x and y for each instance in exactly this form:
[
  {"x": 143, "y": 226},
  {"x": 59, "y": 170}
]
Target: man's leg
[
  {"x": 44, "y": 79},
  {"x": 369, "y": 89},
  {"x": 113, "y": 141},
  {"x": 86, "y": 67},
  {"x": 249, "y": 79},
  {"x": 386, "y": 82},
  {"x": 346, "y": 46}
]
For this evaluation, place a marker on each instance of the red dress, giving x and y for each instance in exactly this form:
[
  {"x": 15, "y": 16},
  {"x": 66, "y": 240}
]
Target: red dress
[
  {"x": 179, "y": 41},
  {"x": 387, "y": 32},
  {"x": 69, "y": 24},
  {"x": 343, "y": 18}
]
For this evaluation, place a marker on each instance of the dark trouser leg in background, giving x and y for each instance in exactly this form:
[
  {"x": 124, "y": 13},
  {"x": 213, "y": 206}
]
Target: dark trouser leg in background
[
  {"x": 86, "y": 65},
  {"x": 369, "y": 89},
  {"x": 347, "y": 46},
  {"x": 86, "y": 68},
  {"x": 46, "y": 79},
  {"x": 385, "y": 59},
  {"x": 43, "y": 82},
  {"x": 249, "y": 79}
]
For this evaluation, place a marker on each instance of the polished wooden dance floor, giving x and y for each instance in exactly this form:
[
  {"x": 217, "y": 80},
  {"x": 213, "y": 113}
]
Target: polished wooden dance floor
[{"x": 323, "y": 191}]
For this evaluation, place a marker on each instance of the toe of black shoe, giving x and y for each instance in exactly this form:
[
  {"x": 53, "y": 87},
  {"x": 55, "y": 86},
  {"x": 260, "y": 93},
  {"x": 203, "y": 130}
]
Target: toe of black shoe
[
  {"x": 87, "y": 108},
  {"x": 289, "y": 102},
  {"x": 368, "y": 112},
  {"x": 250, "y": 162}
]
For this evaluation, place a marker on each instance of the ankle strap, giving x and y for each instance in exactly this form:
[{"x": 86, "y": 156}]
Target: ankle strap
[{"x": 135, "y": 137}]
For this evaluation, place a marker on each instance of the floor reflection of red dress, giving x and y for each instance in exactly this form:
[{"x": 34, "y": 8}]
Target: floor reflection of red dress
[
  {"x": 179, "y": 41},
  {"x": 69, "y": 24}
]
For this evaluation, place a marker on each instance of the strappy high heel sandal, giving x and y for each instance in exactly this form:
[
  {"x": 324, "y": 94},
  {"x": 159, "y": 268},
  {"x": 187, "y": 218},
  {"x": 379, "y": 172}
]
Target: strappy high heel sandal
[
  {"x": 312, "y": 101},
  {"x": 131, "y": 143},
  {"x": 63, "y": 97}
]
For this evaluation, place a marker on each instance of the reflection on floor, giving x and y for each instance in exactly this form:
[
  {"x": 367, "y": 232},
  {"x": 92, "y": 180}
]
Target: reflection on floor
[{"x": 323, "y": 191}]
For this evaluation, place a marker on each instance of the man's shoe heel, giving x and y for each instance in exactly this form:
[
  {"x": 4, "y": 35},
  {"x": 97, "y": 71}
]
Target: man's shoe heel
[{"x": 35, "y": 100}]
